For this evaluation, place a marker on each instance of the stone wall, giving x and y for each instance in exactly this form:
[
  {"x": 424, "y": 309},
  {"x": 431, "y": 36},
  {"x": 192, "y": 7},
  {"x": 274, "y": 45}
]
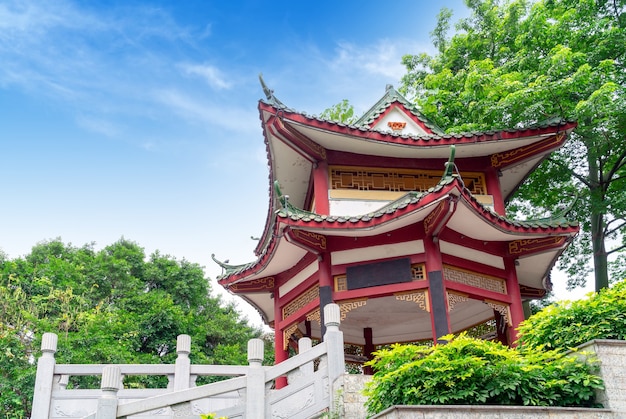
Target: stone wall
[
  {"x": 612, "y": 356},
  {"x": 493, "y": 412},
  {"x": 353, "y": 398}
]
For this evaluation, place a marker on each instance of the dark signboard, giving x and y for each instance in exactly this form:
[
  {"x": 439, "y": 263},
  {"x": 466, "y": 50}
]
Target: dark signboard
[{"x": 380, "y": 273}]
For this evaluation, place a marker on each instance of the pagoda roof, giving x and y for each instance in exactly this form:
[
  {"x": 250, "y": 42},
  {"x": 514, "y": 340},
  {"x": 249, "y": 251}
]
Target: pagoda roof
[
  {"x": 470, "y": 220},
  {"x": 391, "y": 96},
  {"x": 297, "y": 141}
]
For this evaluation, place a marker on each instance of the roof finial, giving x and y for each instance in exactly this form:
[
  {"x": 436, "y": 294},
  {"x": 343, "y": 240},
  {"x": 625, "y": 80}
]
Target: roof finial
[
  {"x": 449, "y": 165},
  {"x": 388, "y": 87},
  {"x": 269, "y": 93}
]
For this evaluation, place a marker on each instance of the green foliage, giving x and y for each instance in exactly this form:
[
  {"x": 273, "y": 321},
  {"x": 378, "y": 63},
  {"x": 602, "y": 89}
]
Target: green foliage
[
  {"x": 518, "y": 63},
  {"x": 211, "y": 416},
  {"x": 109, "y": 306},
  {"x": 341, "y": 112},
  {"x": 17, "y": 374},
  {"x": 567, "y": 324},
  {"x": 473, "y": 371}
]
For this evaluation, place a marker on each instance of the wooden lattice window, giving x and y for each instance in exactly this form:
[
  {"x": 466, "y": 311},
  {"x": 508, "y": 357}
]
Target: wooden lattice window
[
  {"x": 418, "y": 272},
  {"x": 474, "y": 279},
  {"x": 397, "y": 180},
  {"x": 302, "y": 300}
]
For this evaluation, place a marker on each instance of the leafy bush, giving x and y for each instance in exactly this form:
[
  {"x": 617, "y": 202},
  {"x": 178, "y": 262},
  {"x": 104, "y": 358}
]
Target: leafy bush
[
  {"x": 473, "y": 371},
  {"x": 568, "y": 324}
]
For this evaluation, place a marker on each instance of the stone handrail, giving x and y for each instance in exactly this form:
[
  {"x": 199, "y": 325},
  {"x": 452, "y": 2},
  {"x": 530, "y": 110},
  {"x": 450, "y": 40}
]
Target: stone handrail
[{"x": 249, "y": 394}]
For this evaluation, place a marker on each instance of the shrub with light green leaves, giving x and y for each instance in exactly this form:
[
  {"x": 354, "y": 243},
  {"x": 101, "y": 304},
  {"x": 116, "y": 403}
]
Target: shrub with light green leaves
[
  {"x": 473, "y": 371},
  {"x": 567, "y": 324}
]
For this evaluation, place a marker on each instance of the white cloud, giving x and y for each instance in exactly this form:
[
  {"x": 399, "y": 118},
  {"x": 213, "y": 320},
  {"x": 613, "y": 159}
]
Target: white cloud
[
  {"x": 187, "y": 107},
  {"x": 353, "y": 71},
  {"x": 98, "y": 125},
  {"x": 381, "y": 59},
  {"x": 212, "y": 75}
]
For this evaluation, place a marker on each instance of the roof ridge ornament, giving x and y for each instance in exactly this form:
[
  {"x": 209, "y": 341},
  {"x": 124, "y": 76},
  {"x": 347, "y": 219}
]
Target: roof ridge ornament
[
  {"x": 225, "y": 266},
  {"x": 559, "y": 217},
  {"x": 269, "y": 94},
  {"x": 450, "y": 167}
]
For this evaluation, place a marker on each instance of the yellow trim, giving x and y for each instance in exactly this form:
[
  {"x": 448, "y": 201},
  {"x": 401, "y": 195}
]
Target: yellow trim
[{"x": 365, "y": 195}]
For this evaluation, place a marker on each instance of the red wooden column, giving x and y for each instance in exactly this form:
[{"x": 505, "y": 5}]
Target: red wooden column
[
  {"x": 326, "y": 285},
  {"x": 280, "y": 354},
  {"x": 320, "y": 188},
  {"x": 512, "y": 287},
  {"x": 436, "y": 289},
  {"x": 492, "y": 179}
]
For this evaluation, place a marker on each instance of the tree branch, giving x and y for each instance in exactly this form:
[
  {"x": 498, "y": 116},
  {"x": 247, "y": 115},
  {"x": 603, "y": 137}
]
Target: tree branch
[
  {"x": 621, "y": 160},
  {"x": 576, "y": 175},
  {"x": 618, "y": 178},
  {"x": 617, "y": 249},
  {"x": 608, "y": 232}
]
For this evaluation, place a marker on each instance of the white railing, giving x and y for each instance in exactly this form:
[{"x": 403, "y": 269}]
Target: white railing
[{"x": 310, "y": 390}]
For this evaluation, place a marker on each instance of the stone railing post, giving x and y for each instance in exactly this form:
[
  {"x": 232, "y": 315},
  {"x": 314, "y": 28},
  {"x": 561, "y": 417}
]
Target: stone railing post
[
  {"x": 45, "y": 377},
  {"x": 305, "y": 344},
  {"x": 335, "y": 352},
  {"x": 110, "y": 384},
  {"x": 334, "y": 342},
  {"x": 255, "y": 389},
  {"x": 183, "y": 364}
]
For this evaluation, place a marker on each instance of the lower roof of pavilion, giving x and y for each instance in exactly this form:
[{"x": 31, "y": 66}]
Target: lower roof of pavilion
[{"x": 470, "y": 236}]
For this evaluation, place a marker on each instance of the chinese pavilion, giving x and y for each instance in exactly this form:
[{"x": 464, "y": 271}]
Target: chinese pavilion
[{"x": 401, "y": 225}]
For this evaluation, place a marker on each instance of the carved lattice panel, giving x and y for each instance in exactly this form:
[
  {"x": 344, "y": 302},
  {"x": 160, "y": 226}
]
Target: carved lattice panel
[
  {"x": 289, "y": 330},
  {"x": 347, "y": 306},
  {"x": 341, "y": 283},
  {"x": 397, "y": 180},
  {"x": 418, "y": 272},
  {"x": 418, "y": 297},
  {"x": 314, "y": 316},
  {"x": 501, "y": 308},
  {"x": 301, "y": 301},
  {"x": 454, "y": 299},
  {"x": 474, "y": 279}
]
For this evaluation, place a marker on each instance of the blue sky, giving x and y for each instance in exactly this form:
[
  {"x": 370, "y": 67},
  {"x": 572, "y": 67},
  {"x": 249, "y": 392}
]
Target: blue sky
[{"x": 138, "y": 119}]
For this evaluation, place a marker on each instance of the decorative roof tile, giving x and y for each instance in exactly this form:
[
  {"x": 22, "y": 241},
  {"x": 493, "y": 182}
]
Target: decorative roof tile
[{"x": 391, "y": 96}]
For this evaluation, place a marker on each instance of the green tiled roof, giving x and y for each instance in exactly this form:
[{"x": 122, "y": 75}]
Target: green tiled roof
[
  {"x": 392, "y": 95},
  {"x": 289, "y": 211},
  {"x": 297, "y": 214}
]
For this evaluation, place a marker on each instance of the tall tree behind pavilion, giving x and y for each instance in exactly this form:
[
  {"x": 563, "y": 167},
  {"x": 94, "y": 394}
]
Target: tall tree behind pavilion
[{"x": 519, "y": 63}]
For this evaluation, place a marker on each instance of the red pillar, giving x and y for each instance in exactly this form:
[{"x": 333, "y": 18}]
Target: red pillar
[
  {"x": 325, "y": 279},
  {"x": 512, "y": 287},
  {"x": 492, "y": 179},
  {"x": 280, "y": 354},
  {"x": 320, "y": 188},
  {"x": 440, "y": 320}
]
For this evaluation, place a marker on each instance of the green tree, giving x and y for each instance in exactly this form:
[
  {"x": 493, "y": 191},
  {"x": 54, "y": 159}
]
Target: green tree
[
  {"x": 110, "y": 306},
  {"x": 340, "y": 112},
  {"x": 567, "y": 324},
  {"x": 515, "y": 64},
  {"x": 17, "y": 372}
]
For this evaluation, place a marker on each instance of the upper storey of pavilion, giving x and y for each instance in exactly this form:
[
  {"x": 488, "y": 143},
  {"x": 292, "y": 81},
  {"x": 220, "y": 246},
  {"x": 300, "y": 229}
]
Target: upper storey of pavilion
[{"x": 388, "y": 171}]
